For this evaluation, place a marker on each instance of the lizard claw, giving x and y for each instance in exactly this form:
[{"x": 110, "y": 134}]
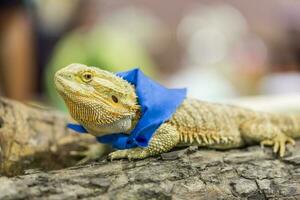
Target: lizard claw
[
  {"x": 117, "y": 155},
  {"x": 93, "y": 152},
  {"x": 279, "y": 143}
]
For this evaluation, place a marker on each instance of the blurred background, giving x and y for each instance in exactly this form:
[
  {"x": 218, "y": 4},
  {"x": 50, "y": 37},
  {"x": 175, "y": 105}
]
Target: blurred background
[{"x": 218, "y": 49}]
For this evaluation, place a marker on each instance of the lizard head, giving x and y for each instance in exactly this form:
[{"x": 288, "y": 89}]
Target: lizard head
[{"x": 99, "y": 100}]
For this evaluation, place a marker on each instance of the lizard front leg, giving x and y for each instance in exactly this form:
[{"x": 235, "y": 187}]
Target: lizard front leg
[
  {"x": 265, "y": 133},
  {"x": 165, "y": 138}
]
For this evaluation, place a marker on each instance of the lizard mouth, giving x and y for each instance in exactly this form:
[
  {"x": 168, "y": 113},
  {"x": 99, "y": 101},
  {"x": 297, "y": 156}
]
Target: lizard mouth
[
  {"x": 59, "y": 84},
  {"x": 63, "y": 81},
  {"x": 64, "y": 85}
]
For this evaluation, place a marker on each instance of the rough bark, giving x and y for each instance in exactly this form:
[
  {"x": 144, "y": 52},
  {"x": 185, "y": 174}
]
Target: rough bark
[
  {"x": 35, "y": 136},
  {"x": 248, "y": 173}
]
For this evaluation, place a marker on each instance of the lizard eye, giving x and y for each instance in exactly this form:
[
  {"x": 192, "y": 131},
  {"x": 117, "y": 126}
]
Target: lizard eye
[
  {"x": 115, "y": 99},
  {"x": 87, "y": 77}
]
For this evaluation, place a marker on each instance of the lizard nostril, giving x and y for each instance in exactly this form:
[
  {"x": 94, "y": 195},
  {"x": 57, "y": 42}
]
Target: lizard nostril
[{"x": 66, "y": 76}]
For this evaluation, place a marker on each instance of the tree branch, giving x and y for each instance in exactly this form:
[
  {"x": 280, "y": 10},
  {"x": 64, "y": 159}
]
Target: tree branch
[{"x": 191, "y": 173}]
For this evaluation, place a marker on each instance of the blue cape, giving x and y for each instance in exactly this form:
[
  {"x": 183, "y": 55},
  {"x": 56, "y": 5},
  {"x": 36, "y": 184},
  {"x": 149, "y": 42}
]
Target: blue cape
[{"x": 157, "y": 103}]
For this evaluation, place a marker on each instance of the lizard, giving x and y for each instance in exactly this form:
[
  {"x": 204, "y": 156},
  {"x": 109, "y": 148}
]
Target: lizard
[{"x": 105, "y": 103}]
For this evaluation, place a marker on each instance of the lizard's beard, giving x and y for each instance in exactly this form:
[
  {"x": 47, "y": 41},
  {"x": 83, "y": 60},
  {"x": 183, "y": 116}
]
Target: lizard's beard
[{"x": 96, "y": 118}]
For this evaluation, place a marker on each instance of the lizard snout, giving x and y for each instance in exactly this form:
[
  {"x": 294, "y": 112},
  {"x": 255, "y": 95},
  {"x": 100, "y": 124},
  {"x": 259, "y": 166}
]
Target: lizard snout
[{"x": 62, "y": 74}]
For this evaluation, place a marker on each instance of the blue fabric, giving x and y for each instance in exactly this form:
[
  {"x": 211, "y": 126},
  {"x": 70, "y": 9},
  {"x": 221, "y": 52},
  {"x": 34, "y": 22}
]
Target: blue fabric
[
  {"x": 78, "y": 128},
  {"x": 157, "y": 106}
]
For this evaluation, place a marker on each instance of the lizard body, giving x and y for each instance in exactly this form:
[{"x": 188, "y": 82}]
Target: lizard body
[{"x": 105, "y": 103}]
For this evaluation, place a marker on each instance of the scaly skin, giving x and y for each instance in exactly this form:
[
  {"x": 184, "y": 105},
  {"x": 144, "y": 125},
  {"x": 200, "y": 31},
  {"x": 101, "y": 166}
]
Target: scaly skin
[{"x": 104, "y": 103}]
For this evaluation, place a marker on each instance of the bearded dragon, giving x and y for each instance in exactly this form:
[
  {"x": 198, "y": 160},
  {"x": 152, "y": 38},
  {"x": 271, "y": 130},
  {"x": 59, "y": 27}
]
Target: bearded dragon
[{"x": 104, "y": 103}]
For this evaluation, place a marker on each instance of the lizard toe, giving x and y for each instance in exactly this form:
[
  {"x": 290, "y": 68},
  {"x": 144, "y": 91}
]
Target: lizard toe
[
  {"x": 93, "y": 152},
  {"x": 279, "y": 144},
  {"x": 266, "y": 143},
  {"x": 119, "y": 154}
]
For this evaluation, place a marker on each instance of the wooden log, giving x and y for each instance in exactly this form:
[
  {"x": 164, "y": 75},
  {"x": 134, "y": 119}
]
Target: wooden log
[
  {"x": 191, "y": 173},
  {"x": 36, "y": 137}
]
